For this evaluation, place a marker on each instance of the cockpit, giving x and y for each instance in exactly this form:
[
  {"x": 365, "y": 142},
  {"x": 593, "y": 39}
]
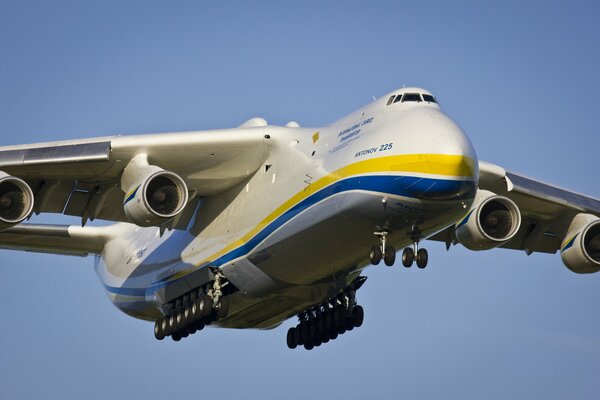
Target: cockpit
[{"x": 414, "y": 97}]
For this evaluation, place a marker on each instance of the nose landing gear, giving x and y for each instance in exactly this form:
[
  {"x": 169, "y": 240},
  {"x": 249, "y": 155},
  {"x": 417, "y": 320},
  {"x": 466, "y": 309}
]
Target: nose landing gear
[
  {"x": 388, "y": 253},
  {"x": 383, "y": 250}
]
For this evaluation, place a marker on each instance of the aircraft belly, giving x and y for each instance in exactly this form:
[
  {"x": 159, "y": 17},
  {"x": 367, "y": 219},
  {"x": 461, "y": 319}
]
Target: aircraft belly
[{"x": 336, "y": 234}]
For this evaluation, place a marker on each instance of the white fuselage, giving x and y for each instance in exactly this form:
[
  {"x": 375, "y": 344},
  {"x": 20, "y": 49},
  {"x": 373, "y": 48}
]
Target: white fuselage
[{"x": 300, "y": 228}]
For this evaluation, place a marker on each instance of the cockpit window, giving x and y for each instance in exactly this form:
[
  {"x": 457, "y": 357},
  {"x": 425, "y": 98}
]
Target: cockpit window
[
  {"x": 391, "y": 100},
  {"x": 398, "y": 98},
  {"x": 411, "y": 97},
  {"x": 429, "y": 98}
]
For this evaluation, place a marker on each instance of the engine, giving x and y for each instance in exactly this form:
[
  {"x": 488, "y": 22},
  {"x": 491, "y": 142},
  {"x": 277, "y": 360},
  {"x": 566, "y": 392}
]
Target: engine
[
  {"x": 16, "y": 200},
  {"x": 492, "y": 221},
  {"x": 580, "y": 250},
  {"x": 154, "y": 195}
]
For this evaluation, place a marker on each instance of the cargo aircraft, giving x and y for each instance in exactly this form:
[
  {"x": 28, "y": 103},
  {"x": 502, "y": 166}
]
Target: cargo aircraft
[{"x": 247, "y": 227}]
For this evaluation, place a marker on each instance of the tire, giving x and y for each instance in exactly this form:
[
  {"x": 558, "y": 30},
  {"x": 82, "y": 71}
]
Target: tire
[
  {"x": 408, "y": 257},
  {"x": 333, "y": 335},
  {"x": 172, "y": 323},
  {"x": 375, "y": 255},
  {"x": 309, "y": 346},
  {"x": 358, "y": 316},
  {"x": 390, "y": 256},
  {"x": 176, "y": 337},
  {"x": 291, "y": 335},
  {"x": 223, "y": 307},
  {"x": 297, "y": 335},
  {"x": 199, "y": 325},
  {"x": 349, "y": 324},
  {"x": 205, "y": 304},
  {"x": 194, "y": 311},
  {"x": 187, "y": 315},
  {"x": 179, "y": 320},
  {"x": 165, "y": 326},
  {"x": 422, "y": 258},
  {"x": 159, "y": 334},
  {"x": 340, "y": 317}
]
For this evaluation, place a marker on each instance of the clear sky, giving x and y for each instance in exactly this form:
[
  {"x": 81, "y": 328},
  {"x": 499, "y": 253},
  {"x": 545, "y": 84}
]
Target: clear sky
[{"x": 520, "y": 77}]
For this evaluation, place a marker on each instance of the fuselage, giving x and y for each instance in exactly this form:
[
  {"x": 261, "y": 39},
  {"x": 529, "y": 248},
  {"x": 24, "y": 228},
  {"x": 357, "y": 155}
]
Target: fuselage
[{"x": 299, "y": 228}]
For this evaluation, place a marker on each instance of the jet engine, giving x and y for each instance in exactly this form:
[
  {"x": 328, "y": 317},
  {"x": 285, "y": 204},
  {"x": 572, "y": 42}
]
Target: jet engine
[
  {"x": 16, "y": 200},
  {"x": 492, "y": 221},
  {"x": 580, "y": 250},
  {"x": 154, "y": 195}
]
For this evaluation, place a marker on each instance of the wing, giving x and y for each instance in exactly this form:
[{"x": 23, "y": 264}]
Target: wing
[
  {"x": 59, "y": 239},
  {"x": 82, "y": 177},
  {"x": 546, "y": 211}
]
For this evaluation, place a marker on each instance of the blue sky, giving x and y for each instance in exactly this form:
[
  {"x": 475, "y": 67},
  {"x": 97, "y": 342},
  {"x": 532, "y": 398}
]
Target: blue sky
[{"x": 521, "y": 78}]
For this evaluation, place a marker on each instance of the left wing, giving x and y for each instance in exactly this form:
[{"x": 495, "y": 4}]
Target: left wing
[
  {"x": 84, "y": 177},
  {"x": 547, "y": 212}
]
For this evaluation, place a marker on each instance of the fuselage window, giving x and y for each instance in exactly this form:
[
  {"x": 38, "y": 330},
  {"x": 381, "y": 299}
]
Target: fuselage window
[
  {"x": 429, "y": 98},
  {"x": 391, "y": 100},
  {"x": 398, "y": 98},
  {"x": 411, "y": 97}
]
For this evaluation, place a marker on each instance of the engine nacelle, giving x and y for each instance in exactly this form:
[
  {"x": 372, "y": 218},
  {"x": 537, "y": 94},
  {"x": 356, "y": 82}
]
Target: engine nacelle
[
  {"x": 492, "y": 221},
  {"x": 580, "y": 250},
  {"x": 16, "y": 200},
  {"x": 154, "y": 195}
]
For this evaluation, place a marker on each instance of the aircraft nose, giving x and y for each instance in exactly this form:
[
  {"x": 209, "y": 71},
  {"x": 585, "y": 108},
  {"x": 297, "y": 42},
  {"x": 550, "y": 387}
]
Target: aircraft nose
[{"x": 451, "y": 162}]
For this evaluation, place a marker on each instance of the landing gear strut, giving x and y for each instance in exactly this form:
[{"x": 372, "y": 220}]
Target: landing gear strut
[{"x": 383, "y": 250}]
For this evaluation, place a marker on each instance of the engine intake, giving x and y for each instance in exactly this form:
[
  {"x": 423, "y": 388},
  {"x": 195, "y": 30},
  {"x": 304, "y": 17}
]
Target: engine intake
[
  {"x": 16, "y": 200},
  {"x": 154, "y": 196},
  {"x": 492, "y": 221},
  {"x": 580, "y": 251}
]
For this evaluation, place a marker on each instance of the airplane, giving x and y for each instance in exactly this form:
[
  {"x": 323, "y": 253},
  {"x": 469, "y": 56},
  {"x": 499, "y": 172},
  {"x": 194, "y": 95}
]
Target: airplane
[{"x": 251, "y": 226}]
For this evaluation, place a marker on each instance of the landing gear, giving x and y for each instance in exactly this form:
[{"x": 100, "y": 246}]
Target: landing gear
[
  {"x": 328, "y": 320},
  {"x": 193, "y": 311},
  {"x": 409, "y": 254},
  {"x": 383, "y": 250}
]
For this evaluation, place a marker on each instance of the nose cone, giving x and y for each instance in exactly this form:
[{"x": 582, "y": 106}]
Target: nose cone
[{"x": 451, "y": 165}]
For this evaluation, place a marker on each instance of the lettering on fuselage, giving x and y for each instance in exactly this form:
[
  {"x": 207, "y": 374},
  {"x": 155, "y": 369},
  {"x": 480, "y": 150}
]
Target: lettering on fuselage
[
  {"x": 350, "y": 134},
  {"x": 381, "y": 147}
]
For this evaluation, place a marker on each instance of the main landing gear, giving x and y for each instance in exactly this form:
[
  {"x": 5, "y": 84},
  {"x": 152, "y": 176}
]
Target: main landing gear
[
  {"x": 388, "y": 253},
  {"x": 193, "y": 311},
  {"x": 328, "y": 320},
  {"x": 409, "y": 256}
]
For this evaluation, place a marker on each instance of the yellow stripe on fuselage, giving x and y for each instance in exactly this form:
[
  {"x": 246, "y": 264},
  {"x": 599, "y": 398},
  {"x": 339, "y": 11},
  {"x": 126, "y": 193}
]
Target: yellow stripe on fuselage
[{"x": 454, "y": 166}]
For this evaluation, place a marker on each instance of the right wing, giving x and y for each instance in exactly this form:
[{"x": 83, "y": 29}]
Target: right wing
[{"x": 82, "y": 177}]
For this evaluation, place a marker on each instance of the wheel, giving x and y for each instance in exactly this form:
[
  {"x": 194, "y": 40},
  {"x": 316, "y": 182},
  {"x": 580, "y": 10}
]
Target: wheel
[
  {"x": 333, "y": 335},
  {"x": 176, "y": 337},
  {"x": 205, "y": 304},
  {"x": 358, "y": 315},
  {"x": 223, "y": 307},
  {"x": 194, "y": 311},
  {"x": 313, "y": 330},
  {"x": 187, "y": 315},
  {"x": 422, "y": 258},
  {"x": 291, "y": 335},
  {"x": 297, "y": 335},
  {"x": 309, "y": 346},
  {"x": 199, "y": 325},
  {"x": 375, "y": 255},
  {"x": 340, "y": 316},
  {"x": 390, "y": 256},
  {"x": 185, "y": 333},
  {"x": 159, "y": 334},
  {"x": 165, "y": 326},
  {"x": 408, "y": 257},
  {"x": 179, "y": 320},
  {"x": 172, "y": 323},
  {"x": 349, "y": 323}
]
